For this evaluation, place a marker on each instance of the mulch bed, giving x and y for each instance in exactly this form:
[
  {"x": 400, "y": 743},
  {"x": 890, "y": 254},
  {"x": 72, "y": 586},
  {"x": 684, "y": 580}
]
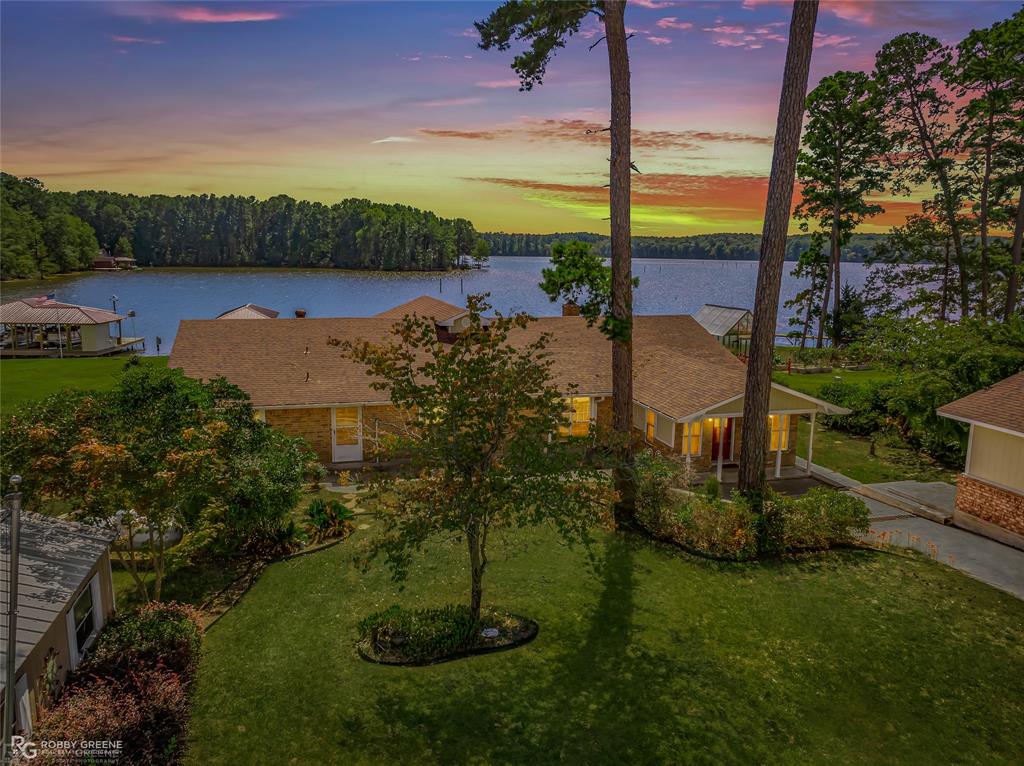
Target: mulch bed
[{"x": 513, "y": 630}]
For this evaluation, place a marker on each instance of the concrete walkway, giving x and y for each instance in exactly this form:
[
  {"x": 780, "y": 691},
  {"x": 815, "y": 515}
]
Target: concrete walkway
[{"x": 994, "y": 563}]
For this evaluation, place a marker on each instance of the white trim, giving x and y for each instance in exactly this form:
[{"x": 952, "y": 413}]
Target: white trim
[
  {"x": 810, "y": 443},
  {"x": 970, "y": 445},
  {"x": 76, "y": 652},
  {"x": 982, "y": 424},
  {"x": 772, "y": 412},
  {"x": 22, "y": 705}
]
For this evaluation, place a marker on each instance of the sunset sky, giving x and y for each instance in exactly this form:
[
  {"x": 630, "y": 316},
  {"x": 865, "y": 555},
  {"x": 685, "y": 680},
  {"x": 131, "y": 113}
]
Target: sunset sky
[{"x": 395, "y": 102}]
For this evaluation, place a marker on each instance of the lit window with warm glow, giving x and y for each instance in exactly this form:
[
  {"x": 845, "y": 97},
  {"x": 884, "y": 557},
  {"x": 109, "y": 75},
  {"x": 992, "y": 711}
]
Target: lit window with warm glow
[
  {"x": 779, "y": 425},
  {"x": 578, "y": 416},
  {"x": 649, "y": 431},
  {"x": 691, "y": 438}
]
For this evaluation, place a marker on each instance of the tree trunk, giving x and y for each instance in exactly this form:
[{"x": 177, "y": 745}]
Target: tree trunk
[
  {"x": 824, "y": 304},
  {"x": 835, "y": 275},
  {"x": 944, "y": 297},
  {"x": 1015, "y": 258},
  {"x": 477, "y": 563},
  {"x": 773, "y": 244},
  {"x": 621, "y": 255},
  {"x": 986, "y": 182}
]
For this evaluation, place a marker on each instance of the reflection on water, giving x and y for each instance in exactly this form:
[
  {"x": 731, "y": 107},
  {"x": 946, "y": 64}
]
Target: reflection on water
[{"x": 162, "y": 297}]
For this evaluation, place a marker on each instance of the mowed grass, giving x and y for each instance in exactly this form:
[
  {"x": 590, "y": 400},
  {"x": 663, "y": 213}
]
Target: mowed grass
[
  {"x": 851, "y": 455},
  {"x": 22, "y": 380},
  {"x": 649, "y": 657}
]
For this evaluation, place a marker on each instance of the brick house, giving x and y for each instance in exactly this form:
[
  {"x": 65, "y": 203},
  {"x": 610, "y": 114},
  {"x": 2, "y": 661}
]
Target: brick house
[
  {"x": 990, "y": 491},
  {"x": 688, "y": 388}
]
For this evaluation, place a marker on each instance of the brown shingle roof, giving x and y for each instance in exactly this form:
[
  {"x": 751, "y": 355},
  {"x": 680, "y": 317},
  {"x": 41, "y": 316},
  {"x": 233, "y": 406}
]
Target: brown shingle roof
[
  {"x": 249, "y": 311},
  {"x": 424, "y": 306},
  {"x": 679, "y": 370},
  {"x": 1001, "y": 405}
]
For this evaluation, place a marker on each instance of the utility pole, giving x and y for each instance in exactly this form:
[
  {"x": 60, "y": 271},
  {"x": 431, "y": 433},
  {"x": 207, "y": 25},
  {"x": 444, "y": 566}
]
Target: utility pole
[{"x": 13, "y": 502}]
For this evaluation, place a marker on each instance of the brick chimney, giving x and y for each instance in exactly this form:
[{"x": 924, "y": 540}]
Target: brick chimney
[
  {"x": 300, "y": 313},
  {"x": 570, "y": 309}
]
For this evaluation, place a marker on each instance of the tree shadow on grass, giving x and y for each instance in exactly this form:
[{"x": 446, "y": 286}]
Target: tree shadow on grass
[{"x": 613, "y": 696}]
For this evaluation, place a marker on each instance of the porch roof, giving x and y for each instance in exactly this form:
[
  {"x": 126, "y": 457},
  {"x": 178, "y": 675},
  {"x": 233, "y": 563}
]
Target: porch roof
[
  {"x": 43, "y": 310},
  {"x": 999, "y": 406}
]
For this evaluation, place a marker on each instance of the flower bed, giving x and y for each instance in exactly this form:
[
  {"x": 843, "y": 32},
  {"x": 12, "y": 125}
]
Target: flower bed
[
  {"x": 133, "y": 688},
  {"x": 399, "y": 636}
]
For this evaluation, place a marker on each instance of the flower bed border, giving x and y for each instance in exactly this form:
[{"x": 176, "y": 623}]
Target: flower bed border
[{"x": 532, "y": 630}]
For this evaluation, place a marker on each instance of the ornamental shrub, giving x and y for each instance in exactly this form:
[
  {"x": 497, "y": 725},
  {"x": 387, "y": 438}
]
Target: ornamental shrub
[
  {"x": 159, "y": 634},
  {"x": 421, "y": 634},
  {"x": 327, "y": 518}
]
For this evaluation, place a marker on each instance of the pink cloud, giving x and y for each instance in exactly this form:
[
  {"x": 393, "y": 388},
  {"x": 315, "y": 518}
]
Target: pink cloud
[
  {"x": 671, "y": 22},
  {"x": 196, "y": 14},
  {"x": 511, "y": 82},
  {"x": 126, "y": 40},
  {"x": 469, "y": 32},
  {"x": 659, "y": 40},
  {"x": 652, "y": 4},
  {"x": 726, "y": 30},
  {"x": 728, "y": 42},
  {"x": 443, "y": 102},
  {"x": 821, "y": 40}
]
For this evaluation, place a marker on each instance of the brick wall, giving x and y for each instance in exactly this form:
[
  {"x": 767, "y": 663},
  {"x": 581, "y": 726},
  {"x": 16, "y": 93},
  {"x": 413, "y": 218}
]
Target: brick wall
[
  {"x": 990, "y": 503},
  {"x": 312, "y": 423}
]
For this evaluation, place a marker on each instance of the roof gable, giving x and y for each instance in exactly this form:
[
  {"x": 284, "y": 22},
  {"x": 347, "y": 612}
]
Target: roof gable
[
  {"x": 999, "y": 406},
  {"x": 424, "y": 306}
]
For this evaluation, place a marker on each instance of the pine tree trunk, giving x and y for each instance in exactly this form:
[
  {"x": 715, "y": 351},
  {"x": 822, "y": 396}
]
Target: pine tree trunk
[
  {"x": 1015, "y": 258},
  {"x": 944, "y": 298},
  {"x": 835, "y": 275},
  {"x": 773, "y": 244},
  {"x": 986, "y": 183},
  {"x": 621, "y": 254},
  {"x": 824, "y": 304}
]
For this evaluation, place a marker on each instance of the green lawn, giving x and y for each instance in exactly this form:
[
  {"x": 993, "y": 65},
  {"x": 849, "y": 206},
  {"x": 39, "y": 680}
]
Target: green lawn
[
  {"x": 654, "y": 657},
  {"x": 25, "y": 379},
  {"x": 851, "y": 455}
]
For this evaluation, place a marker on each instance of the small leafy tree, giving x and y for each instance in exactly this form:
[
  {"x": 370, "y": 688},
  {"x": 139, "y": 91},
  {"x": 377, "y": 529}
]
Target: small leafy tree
[
  {"x": 579, "y": 276},
  {"x": 485, "y": 456},
  {"x": 159, "y": 451}
]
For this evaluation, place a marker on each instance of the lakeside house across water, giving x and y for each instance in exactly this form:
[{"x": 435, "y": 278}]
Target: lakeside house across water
[
  {"x": 990, "y": 491},
  {"x": 688, "y": 388},
  {"x": 42, "y": 326}
]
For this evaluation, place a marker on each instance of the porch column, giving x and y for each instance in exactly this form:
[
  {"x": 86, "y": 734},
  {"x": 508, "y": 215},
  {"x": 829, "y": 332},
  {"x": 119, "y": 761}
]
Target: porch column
[
  {"x": 721, "y": 444},
  {"x": 778, "y": 453},
  {"x": 687, "y": 434},
  {"x": 810, "y": 444}
]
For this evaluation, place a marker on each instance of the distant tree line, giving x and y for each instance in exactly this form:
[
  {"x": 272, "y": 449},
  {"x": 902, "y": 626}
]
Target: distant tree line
[
  {"x": 713, "y": 247},
  {"x": 48, "y": 232}
]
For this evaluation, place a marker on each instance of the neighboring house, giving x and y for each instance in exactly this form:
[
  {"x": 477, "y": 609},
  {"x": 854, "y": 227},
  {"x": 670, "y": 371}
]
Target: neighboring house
[
  {"x": 688, "y": 389},
  {"x": 729, "y": 325},
  {"x": 65, "y": 595},
  {"x": 990, "y": 491},
  {"x": 43, "y": 326},
  {"x": 106, "y": 262},
  {"x": 249, "y": 311}
]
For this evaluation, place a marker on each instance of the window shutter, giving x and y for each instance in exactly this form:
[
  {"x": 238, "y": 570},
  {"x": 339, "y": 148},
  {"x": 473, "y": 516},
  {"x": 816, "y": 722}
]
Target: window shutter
[
  {"x": 73, "y": 654},
  {"x": 639, "y": 417},
  {"x": 663, "y": 430}
]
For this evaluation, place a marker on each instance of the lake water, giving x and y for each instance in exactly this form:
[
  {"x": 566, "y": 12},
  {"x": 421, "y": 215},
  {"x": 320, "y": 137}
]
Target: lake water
[{"x": 163, "y": 297}]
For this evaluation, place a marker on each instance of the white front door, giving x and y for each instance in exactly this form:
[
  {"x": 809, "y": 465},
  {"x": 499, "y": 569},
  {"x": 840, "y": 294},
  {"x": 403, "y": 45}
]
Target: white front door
[{"x": 347, "y": 434}]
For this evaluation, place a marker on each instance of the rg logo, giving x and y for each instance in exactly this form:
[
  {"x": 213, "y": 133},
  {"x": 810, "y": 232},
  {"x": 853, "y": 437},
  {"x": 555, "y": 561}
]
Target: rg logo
[{"x": 24, "y": 747}]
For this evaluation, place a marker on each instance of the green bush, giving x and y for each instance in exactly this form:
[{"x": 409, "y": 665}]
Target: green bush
[
  {"x": 421, "y": 634},
  {"x": 164, "y": 634},
  {"x": 717, "y": 528},
  {"x": 327, "y": 518},
  {"x": 820, "y": 519},
  {"x": 868, "y": 402}
]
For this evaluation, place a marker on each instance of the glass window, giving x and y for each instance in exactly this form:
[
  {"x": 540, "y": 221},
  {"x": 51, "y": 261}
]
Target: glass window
[
  {"x": 649, "y": 432},
  {"x": 346, "y": 426},
  {"x": 84, "y": 620},
  {"x": 691, "y": 438},
  {"x": 577, "y": 413},
  {"x": 779, "y": 425}
]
